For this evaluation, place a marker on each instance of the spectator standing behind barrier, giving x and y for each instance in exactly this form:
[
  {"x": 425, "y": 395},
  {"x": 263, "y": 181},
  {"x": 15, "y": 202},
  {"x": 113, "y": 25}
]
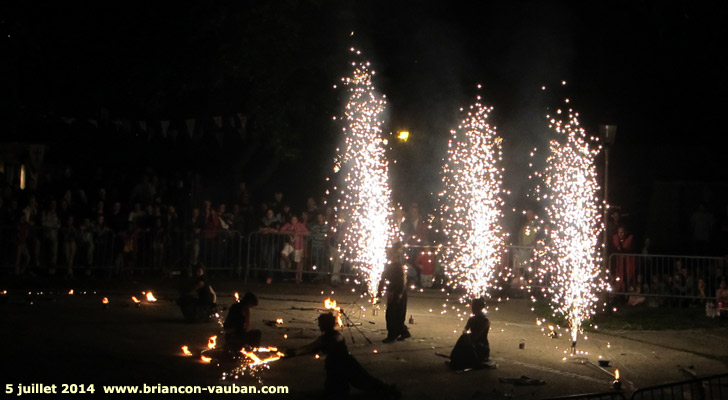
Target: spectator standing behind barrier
[
  {"x": 22, "y": 257},
  {"x": 721, "y": 296},
  {"x": 70, "y": 243},
  {"x": 297, "y": 230},
  {"x": 210, "y": 230},
  {"x": 268, "y": 230},
  {"x": 319, "y": 230},
  {"x": 194, "y": 232},
  {"x": 625, "y": 269},
  {"x": 527, "y": 236},
  {"x": 51, "y": 225},
  {"x": 86, "y": 244}
]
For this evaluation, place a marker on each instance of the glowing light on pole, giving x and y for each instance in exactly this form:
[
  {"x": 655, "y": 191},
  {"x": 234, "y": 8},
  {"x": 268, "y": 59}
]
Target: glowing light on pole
[
  {"x": 365, "y": 202},
  {"x": 472, "y": 203},
  {"x": 569, "y": 254}
]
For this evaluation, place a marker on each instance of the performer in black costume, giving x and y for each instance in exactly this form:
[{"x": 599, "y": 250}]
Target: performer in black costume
[
  {"x": 237, "y": 325},
  {"x": 394, "y": 278},
  {"x": 472, "y": 349},
  {"x": 342, "y": 369},
  {"x": 198, "y": 300}
]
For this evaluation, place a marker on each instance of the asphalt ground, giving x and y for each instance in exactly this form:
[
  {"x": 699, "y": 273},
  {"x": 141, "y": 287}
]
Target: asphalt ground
[{"x": 53, "y": 337}]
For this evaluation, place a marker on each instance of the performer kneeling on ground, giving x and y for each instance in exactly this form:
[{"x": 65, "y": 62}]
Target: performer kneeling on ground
[
  {"x": 472, "y": 349},
  {"x": 198, "y": 299},
  {"x": 394, "y": 276},
  {"x": 342, "y": 369},
  {"x": 237, "y": 325}
]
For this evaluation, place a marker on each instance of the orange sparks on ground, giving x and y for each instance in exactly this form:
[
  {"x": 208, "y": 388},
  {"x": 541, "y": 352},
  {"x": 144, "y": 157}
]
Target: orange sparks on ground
[
  {"x": 212, "y": 342},
  {"x": 135, "y": 300},
  {"x": 256, "y": 360},
  {"x": 186, "y": 351},
  {"x": 205, "y": 359},
  {"x": 150, "y": 297}
]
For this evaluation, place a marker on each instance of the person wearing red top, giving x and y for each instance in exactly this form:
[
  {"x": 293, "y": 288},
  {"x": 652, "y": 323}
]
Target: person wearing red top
[
  {"x": 297, "y": 231},
  {"x": 625, "y": 268}
]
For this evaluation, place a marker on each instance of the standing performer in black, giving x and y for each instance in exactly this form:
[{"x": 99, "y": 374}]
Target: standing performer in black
[
  {"x": 342, "y": 369},
  {"x": 394, "y": 278}
]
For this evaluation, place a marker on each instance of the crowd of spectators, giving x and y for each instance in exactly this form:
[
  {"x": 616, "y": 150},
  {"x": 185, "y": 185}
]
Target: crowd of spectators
[{"x": 64, "y": 224}]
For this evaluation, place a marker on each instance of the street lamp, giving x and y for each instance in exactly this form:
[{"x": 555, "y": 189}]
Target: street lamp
[{"x": 608, "y": 133}]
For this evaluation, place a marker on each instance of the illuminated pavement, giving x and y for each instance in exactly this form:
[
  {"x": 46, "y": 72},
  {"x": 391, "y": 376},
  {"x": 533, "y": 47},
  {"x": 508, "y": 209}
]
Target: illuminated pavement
[{"x": 64, "y": 338}]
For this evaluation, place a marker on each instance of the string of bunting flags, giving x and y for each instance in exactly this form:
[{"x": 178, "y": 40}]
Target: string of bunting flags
[{"x": 193, "y": 127}]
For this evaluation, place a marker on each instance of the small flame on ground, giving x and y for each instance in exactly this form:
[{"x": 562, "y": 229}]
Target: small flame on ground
[
  {"x": 105, "y": 300},
  {"x": 331, "y": 305},
  {"x": 70, "y": 291},
  {"x": 616, "y": 374},
  {"x": 150, "y": 297},
  {"x": 212, "y": 342},
  {"x": 135, "y": 300},
  {"x": 186, "y": 351},
  {"x": 279, "y": 321},
  {"x": 237, "y": 296},
  {"x": 205, "y": 359}
]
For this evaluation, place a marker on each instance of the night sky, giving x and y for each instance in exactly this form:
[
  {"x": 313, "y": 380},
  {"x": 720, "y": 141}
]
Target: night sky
[{"x": 656, "y": 69}]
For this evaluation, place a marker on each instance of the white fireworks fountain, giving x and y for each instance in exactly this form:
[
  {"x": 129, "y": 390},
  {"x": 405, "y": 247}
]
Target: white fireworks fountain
[
  {"x": 471, "y": 204},
  {"x": 365, "y": 198},
  {"x": 569, "y": 255}
]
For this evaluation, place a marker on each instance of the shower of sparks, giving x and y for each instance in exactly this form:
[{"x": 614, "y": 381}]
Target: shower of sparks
[
  {"x": 471, "y": 204},
  {"x": 569, "y": 254},
  {"x": 365, "y": 201},
  {"x": 253, "y": 363}
]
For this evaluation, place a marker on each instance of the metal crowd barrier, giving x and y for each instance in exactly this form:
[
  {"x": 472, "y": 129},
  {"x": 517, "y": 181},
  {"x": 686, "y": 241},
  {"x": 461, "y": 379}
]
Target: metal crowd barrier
[
  {"x": 707, "y": 388},
  {"x": 613, "y": 395},
  {"x": 275, "y": 256},
  {"x": 667, "y": 275},
  {"x": 714, "y": 387},
  {"x": 46, "y": 252}
]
